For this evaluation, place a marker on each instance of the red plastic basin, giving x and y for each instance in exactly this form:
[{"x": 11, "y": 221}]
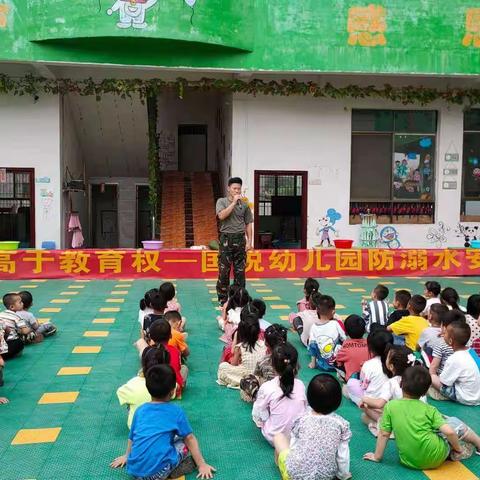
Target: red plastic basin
[{"x": 343, "y": 243}]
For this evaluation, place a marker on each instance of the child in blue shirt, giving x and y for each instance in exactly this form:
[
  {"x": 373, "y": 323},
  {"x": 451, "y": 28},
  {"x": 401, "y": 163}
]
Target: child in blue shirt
[{"x": 161, "y": 443}]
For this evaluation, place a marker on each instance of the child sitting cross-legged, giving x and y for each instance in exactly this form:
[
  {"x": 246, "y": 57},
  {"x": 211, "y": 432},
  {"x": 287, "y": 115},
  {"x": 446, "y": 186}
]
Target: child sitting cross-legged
[
  {"x": 376, "y": 310},
  {"x": 354, "y": 351},
  {"x": 12, "y": 326},
  {"x": 460, "y": 378},
  {"x": 424, "y": 438},
  {"x": 400, "y": 304},
  {"x": 399, "y": 358},
  {"x": 326, "y": 336},
  {"x": 159, "y": 334},
  {"x": 167, "y": 290},
  {"x": 318, "y": 446},
  {"x": 412, "y": 325},
  {"x": 374, "y": 372},
  {"x": 306, "y": 319},
  {"x": 134, "y": 393},
  {"x": 282, "y": 400},
  {"x": 161, "y": 443},
  {"x": 306, "y": 310},
  {"x": 274, "y": 335},
  {"x": 247, "y": 350},
  {"x": 431, "y": 335},
  {"x": 40, "y": 330}
]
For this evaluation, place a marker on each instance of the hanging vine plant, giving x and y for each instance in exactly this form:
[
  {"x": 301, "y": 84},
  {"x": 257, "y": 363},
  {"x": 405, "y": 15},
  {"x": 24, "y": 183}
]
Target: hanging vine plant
[
  {"x": 35, "y": 86},
  {"x": 153, "y": 165}
]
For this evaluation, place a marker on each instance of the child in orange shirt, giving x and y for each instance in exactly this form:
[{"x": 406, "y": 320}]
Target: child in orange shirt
[{"x": 178, "y": 337}]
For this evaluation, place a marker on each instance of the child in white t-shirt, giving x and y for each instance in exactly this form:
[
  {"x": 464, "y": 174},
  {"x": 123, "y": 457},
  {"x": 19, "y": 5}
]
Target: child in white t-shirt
[
  {"x": 326, "y": 336},
  {"x": 431, "y": 336},
  {"x": 146, "y": 306},
  {"x": 460, "y": 378},
  {"x": 431, "y": 293},
  {"x": 374, "y": 373},
  {"x": 399, "y": 358}
]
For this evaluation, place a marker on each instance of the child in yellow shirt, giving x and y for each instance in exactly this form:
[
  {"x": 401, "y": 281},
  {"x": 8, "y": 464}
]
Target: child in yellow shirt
[{"x": 413, "y": 324}]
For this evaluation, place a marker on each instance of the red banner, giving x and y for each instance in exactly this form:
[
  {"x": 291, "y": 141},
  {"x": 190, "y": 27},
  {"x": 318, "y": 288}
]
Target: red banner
[{"x": 31, "y": 264}]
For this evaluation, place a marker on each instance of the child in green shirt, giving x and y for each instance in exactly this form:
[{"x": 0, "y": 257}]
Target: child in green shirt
[{"x": 425, "y": 438}]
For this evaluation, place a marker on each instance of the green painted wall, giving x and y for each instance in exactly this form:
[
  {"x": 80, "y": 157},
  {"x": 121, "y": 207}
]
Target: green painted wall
[{"x": 421, "y": 36}]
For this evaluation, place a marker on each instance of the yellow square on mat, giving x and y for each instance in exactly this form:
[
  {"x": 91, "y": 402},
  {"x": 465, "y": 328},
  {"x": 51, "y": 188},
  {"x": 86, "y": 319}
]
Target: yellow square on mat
[
  {"x": 333, "y": 278},
  {"x": 58, "y": 397},
  {"x": 103, "y": 320},
  {"x": 96, "y": 333},
  {"x": 259, "y": 284},
  {"x": 119, "y": 292},
  {"x": 356, "y": 290},
  {"x": 69, "y": 293},
  {"x": 279, "y": 307},
  {"x": 126, "y": 280},
  {"x": 76, "y": 286},
  {"x": 264, "y": 290},
  {"x": 389, "y": 283},
  {"x": 41, "y": 321},
  {"x": 340, "y": 307},
  {"x": 292, "y": 278},
  {"x": 122, "y": 285},
  {"x": 451, "y": 470},
  {"x": 214, "y": 299},
  {"x": 74, "y": 371},
  {"x": 212, "y": 292},
  {"x": 344, "y": 283},
  {"x": 36, "y": 435},
  {"x": 464, "y": 296},
  {"x": 471, "y": 283},
  {"x": 269, "y": 299},
  {"x": 115, "y": 300},
  {"x": 50, "y": 310},
  {"x": 253, "y": 279},
  {"x": 299, "y": 284},
  {"x": 81, "y": 349},
  {"x": 60, "y": 300},
  {"x": 283, "y": 317},
  {"x": 43, "y": 280},
  {"x": 109, "y": 309},
  {"x": 28, "y": 286},
  {"x": 372, "y": 278}
]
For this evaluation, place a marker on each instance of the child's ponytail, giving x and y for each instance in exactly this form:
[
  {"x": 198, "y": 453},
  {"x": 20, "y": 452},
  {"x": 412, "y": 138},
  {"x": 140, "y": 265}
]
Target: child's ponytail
[
  {"x": 285, "y": 363},
  {"x": 311, "y": 286},
  {"x": 145, "y": 302},
  {"x": 449, "y": 296},
  {"x": 157, "y": 355}
]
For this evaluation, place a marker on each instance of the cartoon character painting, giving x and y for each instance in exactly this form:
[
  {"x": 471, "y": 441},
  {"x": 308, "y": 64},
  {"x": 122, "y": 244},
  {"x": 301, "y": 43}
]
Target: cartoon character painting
[
  {"x": 131, "y": 12},
  {"x": 326, "y": 225},
  {"x": 468, "y": 233},
  {"x": 437, "y": 235},
  {"x": 389, "y": 237}
]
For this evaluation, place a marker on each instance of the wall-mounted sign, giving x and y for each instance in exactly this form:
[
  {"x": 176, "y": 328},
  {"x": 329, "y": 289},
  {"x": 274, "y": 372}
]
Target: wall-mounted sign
[
  {"x": 450, "y": 171},
  {"x": 449, "y": 185},
  {"x": 452, "y": 157}
]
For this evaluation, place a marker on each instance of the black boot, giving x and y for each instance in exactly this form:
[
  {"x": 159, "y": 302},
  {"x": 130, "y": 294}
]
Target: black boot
[{"x": 298, "y": 325}]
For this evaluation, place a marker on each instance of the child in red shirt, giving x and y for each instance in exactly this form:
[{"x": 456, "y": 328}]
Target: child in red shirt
[
  {"x": 354, "y": 351},
  {"x": 160, "y": 334}
]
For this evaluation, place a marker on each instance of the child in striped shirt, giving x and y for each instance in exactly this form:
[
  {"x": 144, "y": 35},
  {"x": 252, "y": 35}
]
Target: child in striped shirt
[{"x": 376, "y": 310}]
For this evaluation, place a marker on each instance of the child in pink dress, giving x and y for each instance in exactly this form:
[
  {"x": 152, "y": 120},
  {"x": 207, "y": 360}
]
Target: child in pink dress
[
  {"x": 167, "y": 289},
  {"x": 282, "y": 400},
  {"x": 311, "y": 286}
]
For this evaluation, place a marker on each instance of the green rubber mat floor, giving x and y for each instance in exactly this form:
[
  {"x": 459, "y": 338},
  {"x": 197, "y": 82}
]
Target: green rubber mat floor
[{"x": 91, "y": 430}]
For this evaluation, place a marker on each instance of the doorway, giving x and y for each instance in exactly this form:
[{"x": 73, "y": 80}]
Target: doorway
[
  {"x": 144, "y": 216},
  {"x": 192, "y": 148},
  {"x": 17, "y": 205},
  {"x": 280, "y": 209},
  {"x": 104, "y": 215}
]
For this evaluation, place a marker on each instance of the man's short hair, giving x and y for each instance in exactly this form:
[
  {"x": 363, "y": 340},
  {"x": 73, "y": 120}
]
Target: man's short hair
[{"x": 233, "y": 180}]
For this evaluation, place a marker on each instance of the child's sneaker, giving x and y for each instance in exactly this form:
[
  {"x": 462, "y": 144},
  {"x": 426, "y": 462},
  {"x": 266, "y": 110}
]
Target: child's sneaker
[
  {"x": 49, "y": 329},
  {"x": 467, "y": 451}
]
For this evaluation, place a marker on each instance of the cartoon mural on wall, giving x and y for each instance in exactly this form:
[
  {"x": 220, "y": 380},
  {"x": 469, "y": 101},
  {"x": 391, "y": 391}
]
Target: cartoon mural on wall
[
  {"x": 437, "y": 235},
  {"x": 131, "y": 13},
  {"x": 326, "y": 225},
  {"x": 468, "y": 233},
  {"x": 389, "y": 237}
]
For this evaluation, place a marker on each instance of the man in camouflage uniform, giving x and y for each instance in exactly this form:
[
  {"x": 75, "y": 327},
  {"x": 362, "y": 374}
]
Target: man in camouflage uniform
[{"x": 235, "y": 237}]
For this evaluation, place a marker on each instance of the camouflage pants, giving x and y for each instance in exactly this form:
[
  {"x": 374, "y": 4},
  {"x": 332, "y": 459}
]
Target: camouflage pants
[{"x": 232, "y": 252}]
